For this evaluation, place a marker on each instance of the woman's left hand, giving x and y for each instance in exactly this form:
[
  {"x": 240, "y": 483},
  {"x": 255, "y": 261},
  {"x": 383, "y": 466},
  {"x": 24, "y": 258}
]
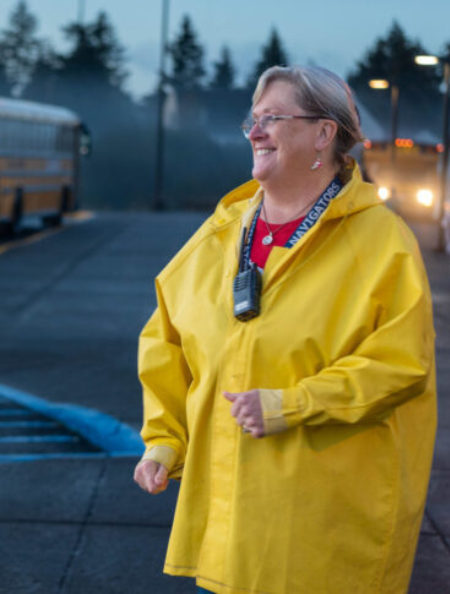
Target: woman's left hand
[{"x": 248, "y": 412}]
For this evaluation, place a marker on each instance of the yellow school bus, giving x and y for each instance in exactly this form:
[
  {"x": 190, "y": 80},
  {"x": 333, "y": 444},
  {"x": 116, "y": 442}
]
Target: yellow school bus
[
  {"x": 407, "y": 180},
  {"x": 40, "y": 149}
]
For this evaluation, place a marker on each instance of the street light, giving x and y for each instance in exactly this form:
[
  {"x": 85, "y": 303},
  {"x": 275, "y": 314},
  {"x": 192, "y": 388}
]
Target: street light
[
  {"x": 381, "y": 84},
  {"x": 429, "y": 60}
]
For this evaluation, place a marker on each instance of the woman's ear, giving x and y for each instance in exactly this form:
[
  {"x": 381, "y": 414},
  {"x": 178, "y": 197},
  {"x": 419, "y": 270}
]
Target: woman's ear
[{"x": 326, "y": 132}]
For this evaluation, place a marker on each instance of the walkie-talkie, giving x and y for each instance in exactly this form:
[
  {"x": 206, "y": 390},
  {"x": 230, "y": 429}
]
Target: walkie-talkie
[{"x": 246, "y": 287}]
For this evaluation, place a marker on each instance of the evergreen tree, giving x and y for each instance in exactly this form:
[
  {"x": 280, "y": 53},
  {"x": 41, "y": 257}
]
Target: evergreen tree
[
  {"x": 43, "y": 85},
  {"x": 272, "y": 54},
  {"x": 91, "y": 75},
  {"x": 109, "y": 50},
  {"x": 392, "y": 58},
  {"x": 96, "y": 53},
  {"x": 19, "y": 47},
  {"x": 224, "y": 71},
  {"x": 187, "y": 58}
]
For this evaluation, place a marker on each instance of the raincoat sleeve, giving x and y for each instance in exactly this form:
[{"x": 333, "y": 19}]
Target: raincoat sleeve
[
  {"x": 389, "y": 366},
  {"x": 165, "y": 379}
]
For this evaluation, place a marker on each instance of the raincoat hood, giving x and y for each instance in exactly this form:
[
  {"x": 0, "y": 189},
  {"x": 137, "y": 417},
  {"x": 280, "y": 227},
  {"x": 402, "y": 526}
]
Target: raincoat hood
[{"x": 243, "y": 201}]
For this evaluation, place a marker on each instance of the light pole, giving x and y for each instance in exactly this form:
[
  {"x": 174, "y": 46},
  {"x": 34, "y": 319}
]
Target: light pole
[
  {"x": 381, "y": 84},
  {"x": 159, "y": 160},
  {"x": 81, "y": 6},
  {"x": 433, "y": 61}
]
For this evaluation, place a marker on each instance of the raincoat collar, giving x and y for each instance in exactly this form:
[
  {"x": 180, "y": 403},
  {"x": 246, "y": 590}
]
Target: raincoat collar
[{"x": 243, "y": 201}]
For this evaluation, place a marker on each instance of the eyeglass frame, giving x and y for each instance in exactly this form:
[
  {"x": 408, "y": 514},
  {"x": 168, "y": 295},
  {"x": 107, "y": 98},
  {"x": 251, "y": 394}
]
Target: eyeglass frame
[{"x": 268, "y": 117}]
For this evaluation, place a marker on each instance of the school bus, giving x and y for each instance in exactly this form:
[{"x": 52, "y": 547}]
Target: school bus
[
  {"x": 407, "y": 180},
  {"x": 40, "y": 147}
]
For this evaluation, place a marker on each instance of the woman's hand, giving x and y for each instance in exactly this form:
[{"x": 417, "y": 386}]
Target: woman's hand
[
  {"x": 248, "y": 412},
  {"x": 151, "y": 476}
]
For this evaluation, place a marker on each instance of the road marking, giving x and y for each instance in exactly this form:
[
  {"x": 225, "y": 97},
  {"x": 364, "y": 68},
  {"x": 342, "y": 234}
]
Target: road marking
[
  {"x": 100, "y": 430},
  {"x": 72, "y": 219}
]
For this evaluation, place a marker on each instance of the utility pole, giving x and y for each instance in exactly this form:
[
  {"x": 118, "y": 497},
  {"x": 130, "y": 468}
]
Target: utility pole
[
  {"x": 81, "y": 7},
  {"x": 159, "y": 161},
  {"x": 445, "y": 140}
]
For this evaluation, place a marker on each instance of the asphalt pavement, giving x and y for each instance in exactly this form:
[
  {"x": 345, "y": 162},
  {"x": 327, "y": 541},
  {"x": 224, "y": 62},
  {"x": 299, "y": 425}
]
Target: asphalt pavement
[{"x": 72, "y": 303}]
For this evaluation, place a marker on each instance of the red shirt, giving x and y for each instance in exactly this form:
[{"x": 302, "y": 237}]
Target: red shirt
[{"x": 260, "y": 252}]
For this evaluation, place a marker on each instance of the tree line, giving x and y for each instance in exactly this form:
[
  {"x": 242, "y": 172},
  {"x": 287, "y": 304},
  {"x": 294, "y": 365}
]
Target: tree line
[
  {"x": 30, "y": 67},
  {"x": 90, "y": 78}
]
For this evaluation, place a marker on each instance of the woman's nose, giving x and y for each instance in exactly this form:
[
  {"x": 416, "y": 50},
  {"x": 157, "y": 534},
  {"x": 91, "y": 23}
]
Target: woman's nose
[{"x": 256, "y": 132}]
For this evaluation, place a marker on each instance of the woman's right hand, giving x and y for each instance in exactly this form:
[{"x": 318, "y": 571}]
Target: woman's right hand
[{"x": 151, "y": 476}]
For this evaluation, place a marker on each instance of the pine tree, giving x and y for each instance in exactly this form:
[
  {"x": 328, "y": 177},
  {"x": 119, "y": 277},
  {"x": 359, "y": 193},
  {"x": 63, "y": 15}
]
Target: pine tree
[
  {"x": 44, "y": 80},
  {"x": 19, "y": 47},
  {"x": 96, "y": 53},
  {"x": 187, "y": 58},
  {"x": 224, "y": 71},
  {"x": 392, "y": 58},
  {"x": 272, "y": 54}
]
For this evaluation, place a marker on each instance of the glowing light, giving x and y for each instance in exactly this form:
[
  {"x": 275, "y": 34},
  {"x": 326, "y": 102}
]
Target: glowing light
[
  {"x": 378, "y": 83},
  {"x": 425, "y": 197},
  {"x": 384, "y": 193},
  {"x": 404, "y": 142},
  {"x": 426, "y": 60},
  {"x": 440, "y": 148},
  {"x": 367, "y": 144}
]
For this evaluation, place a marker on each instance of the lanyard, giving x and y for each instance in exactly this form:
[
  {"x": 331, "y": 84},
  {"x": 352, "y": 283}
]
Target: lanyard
[{"x": 309, "y": 221}]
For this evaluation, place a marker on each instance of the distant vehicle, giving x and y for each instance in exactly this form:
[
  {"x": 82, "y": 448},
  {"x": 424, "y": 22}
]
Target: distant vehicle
[
  {"x": 40, "y": 148},
  {"x": 410, "y": 182}
]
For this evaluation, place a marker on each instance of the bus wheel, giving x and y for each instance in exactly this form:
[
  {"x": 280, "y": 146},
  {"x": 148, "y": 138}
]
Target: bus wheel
[
  {"x": 12, "y": 226},
  {"x": 52, "y": 220}
]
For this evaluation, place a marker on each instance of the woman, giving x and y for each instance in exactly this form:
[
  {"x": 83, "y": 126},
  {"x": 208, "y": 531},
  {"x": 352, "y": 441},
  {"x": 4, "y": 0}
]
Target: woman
[{"x": 303, "y": 427}]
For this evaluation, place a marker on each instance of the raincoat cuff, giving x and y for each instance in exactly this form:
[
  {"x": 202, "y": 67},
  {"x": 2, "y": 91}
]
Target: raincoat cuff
[
  {"x": 272, "y": 407},
  {"x": 163, "y": 455}
]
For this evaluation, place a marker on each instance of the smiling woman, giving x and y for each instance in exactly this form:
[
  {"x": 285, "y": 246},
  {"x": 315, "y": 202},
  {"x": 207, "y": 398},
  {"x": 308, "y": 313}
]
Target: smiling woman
[{"x": 289, "y": 401}]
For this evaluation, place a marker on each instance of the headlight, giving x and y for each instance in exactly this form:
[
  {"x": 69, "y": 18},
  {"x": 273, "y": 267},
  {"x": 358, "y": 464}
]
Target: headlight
[
  {"x": 425, "y": 197},
  {"x": 384, "y": 193}
]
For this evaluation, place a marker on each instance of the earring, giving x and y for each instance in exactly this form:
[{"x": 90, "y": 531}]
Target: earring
[{"x": 317, "y": 163}]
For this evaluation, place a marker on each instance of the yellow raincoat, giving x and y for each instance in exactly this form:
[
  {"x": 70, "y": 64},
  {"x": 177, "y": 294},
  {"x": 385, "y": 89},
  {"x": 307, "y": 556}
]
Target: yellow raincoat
[{"x": 331, "y": 501}]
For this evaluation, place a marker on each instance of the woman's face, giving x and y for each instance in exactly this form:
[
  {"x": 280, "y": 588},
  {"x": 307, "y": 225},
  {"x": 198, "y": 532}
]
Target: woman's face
[{"x": 286, "y": 149}]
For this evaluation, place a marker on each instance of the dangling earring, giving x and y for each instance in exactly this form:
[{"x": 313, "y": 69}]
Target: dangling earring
[{"x": 317, "y": 163}]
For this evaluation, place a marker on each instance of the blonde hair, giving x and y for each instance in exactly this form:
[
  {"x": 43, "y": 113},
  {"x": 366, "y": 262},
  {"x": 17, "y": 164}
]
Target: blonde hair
[{"x": 320, "y": 92}]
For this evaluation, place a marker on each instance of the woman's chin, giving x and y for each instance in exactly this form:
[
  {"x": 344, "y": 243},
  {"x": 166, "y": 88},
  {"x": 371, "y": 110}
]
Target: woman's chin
[{"x": 260, "y": 173}]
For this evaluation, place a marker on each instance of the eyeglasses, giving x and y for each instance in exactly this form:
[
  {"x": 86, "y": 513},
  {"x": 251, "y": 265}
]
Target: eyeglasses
[{"x": 264, "y": 120}]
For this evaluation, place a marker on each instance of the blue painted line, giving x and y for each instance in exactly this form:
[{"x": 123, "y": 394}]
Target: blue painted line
[
  {"x": 27, "y": 424},
  {"x": 101, "y": 430},
  {"x": 39, "y": 439}
]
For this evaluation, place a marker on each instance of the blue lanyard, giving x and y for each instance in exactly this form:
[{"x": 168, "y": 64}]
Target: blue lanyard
[
  {"x": 313, "y": 215},
  {"x": 309, "y": 221},
  {"x": 249, "y": 242}
]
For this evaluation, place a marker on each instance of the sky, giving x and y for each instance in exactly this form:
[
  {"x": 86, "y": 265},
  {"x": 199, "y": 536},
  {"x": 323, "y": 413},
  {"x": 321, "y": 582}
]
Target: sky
[{"x": 331, "y": 33}]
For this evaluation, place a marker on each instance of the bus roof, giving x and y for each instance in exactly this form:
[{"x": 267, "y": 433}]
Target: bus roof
[{"x": 38, "y": 112}]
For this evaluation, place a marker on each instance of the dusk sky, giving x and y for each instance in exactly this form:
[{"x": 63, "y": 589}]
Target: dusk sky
[{"x": 331, "y": 33}]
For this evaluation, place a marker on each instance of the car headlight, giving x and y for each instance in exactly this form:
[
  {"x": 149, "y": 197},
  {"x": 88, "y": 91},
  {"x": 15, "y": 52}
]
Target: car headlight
[
  {"x": 384, "y": 193},
  {"x": 425, "y": 197}
]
